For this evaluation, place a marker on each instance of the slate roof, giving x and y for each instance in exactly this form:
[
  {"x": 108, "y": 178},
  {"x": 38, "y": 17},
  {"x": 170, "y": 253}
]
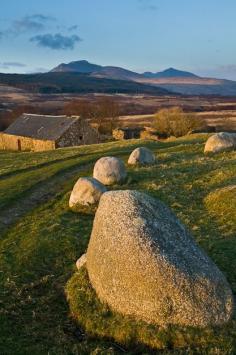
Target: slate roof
[{"x": 40, "y": 126}]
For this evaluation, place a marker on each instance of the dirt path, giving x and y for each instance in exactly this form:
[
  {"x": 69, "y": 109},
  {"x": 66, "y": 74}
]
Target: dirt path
[{"x": 40, "y": 193}]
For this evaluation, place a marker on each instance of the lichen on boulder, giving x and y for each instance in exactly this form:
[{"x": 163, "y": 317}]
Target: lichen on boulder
[
  {"x": 110, "y": 170},
  {"x": 143, "y": 263},
  {"x": 142, "y": 156}
]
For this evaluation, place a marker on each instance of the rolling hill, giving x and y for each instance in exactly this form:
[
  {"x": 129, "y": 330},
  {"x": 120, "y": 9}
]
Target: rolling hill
[{"x": 74, "y": 82}]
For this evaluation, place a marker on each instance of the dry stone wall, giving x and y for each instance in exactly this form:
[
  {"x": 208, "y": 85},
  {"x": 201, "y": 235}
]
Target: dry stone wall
[{"x": 20, "y": 143}]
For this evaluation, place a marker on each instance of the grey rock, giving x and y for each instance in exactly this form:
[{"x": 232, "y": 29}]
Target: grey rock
[
  {"x": 220, "y": 142},
  {"x": 143, "y": 262},
  {"x": 87, "y": 191},
  {"x": 109, "y": 170},
  {"x": 141, "y": 155}
]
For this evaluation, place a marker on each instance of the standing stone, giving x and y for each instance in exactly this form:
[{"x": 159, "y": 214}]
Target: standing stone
[
  {"x": 109, "y": 170},
  {"x": 143, "y": 262},
  {"x": 142, "y": 155},
  {"x": 87, "y": 191},
  {"x": 220, "y": 142}
]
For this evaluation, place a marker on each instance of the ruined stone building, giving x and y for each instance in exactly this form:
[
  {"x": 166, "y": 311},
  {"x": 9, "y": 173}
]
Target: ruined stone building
[
  {"x": 127, "y": 133},
  {"x": 39, "y": 133}
]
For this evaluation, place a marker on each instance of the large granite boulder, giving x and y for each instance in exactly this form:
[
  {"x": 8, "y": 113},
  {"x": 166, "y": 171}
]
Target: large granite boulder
[
  {"x": 142, "y": 262},
  {"x": 142, "y": 156},
  {"x": 220, "y": 142},
  {"x": 109, "y": 170},
  {"x": 87, "y": 191}
]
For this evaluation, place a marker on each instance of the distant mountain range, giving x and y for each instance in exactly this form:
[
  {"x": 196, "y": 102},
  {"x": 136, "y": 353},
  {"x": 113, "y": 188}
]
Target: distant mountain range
[
  {"x": 84, "y": 77},
  {"x": 111, "y": 72},
  {"x": 174, "y": 80}
]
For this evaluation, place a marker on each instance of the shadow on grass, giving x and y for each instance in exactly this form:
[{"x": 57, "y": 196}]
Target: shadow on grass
[{"x": 99, "y": 320}]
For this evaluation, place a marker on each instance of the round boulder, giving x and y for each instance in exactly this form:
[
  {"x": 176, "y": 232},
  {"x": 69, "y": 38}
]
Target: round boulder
[
  {"x": 220, "y": 142},
  {"x": 142, "y": 155},
  {"x": 109, "y": 170},
  {"x": 87, "y": 191},
  {"x": 143, "y": 262}
]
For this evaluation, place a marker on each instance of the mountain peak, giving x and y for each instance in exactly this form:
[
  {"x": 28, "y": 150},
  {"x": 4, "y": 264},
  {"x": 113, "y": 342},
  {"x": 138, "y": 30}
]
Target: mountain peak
[
  {"x": 79, "y": 66},
  {"x": 170, "y": 73}
]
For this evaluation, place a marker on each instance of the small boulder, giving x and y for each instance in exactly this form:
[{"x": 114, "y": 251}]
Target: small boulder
[
  {"x": 109, "y": 170},
  {"x": 142, "y": 156},
  {"x": 143, "y": 263},
  {"x": 220, "y": 142},
  {"x": 87, "y": 191},
  {"x": 81, "y": 261}
]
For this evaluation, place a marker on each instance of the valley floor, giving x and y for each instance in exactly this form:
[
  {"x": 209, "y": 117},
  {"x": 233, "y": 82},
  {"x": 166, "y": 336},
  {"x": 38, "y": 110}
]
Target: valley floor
[{"x": 41, "y": 238}]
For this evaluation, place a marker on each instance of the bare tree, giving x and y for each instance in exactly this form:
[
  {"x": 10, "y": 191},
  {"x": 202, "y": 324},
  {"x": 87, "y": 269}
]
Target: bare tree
[
  {"x": 103, "y": 112},
  {"x": 107, "y": 115}
]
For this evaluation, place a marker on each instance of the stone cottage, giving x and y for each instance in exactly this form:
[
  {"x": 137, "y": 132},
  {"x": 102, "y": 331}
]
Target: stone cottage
[{"x": 40, "y": 132}]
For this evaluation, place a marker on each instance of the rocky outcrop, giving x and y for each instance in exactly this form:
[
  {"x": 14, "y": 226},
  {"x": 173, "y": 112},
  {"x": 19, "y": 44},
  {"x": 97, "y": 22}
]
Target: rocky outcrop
[
  {"x": 220, "y": 142},
  {"x": 109, "y": 170},
  {"x": 87, "y": 191},
  {"x": 142, "y": 156},
  {"x": 143, "y": 262}
]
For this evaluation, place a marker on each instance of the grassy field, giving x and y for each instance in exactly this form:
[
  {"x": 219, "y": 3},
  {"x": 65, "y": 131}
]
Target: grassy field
[{"x": 41, "y": 238}]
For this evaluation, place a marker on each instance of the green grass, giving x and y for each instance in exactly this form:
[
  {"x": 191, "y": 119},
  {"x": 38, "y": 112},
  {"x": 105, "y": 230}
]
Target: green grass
[
  {"x": 98, "y": 319},
  {"x": 40, "y": 245},
  {"x": 221, "y": 204}
]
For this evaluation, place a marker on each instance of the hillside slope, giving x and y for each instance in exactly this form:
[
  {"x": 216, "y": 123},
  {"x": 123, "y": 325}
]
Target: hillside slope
[
  {"x": 70, "y": 82},
  {"x": 41, "y": 240}
]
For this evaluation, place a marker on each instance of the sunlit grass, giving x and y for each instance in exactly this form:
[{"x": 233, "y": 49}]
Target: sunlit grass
[{"x": 39, "y": 250}]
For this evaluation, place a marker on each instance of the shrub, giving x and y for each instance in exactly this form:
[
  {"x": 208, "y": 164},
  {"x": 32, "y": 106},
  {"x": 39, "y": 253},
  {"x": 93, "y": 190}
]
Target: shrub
[{"x": 174, "y": 122}]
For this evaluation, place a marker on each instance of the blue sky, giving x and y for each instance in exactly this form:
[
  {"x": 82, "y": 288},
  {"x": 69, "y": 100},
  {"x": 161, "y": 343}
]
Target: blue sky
[{"x": 196, "y": 35}]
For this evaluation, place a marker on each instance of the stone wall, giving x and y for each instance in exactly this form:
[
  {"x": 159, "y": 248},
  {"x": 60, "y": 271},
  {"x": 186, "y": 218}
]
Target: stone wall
[
  {"x": 126, "y": 133},
  {"x": 118, "y": 134},
  {"x": 11, "y": 142},
  {"x": 149, "y": 134},
  {"x": 79, "y": 133}
]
